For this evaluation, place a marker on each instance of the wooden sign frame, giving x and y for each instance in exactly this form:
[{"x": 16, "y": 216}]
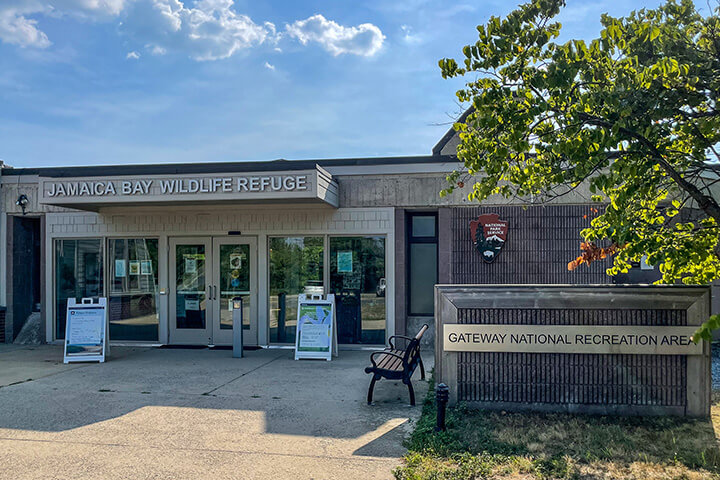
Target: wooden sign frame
[
  {"x": 86, "y": 349},
  {"x": 313, "y": 352}
]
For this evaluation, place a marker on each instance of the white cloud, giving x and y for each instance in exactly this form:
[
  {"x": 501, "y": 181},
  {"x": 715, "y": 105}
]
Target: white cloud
[
  {"x": 132, "y": 55},
  {"x": 269, "y": 66},
  {"x": 209, "y": 30},
  {"x": 17, "y": 29},
  {"x": 201, "y": 29},
  {"x": 91, "y": 7},
  {"x": 366, "y": 39},
  {"x": 409, "y": 37},
  {"x": 156, "y": 49}
]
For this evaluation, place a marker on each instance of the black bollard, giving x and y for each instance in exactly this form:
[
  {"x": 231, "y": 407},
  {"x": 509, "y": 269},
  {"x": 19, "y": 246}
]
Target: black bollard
[{"x": 442, "y": 395}]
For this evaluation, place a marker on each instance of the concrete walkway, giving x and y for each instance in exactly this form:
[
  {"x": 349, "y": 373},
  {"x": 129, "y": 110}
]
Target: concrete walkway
[{"x": 170, "y": 413}]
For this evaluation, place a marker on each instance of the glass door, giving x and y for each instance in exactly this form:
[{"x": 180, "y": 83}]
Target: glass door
[
  {"x": 190, "y": 292},
  {"x": 234, "y": 275}
]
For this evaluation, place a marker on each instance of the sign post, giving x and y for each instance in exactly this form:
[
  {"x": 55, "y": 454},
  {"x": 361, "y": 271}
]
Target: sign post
[
  {"x": 237, "y": 319},
  {"x": 86, "y": 332},
  {"x": 316, "y": 335}
]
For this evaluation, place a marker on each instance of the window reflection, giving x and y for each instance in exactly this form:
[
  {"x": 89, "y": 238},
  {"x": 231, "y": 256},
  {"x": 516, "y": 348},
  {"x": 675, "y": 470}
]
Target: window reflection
[
  {"x": 78, "y": 274},
  {"x": 296, "y": 266},
  {"x": 133, "y": 289}
]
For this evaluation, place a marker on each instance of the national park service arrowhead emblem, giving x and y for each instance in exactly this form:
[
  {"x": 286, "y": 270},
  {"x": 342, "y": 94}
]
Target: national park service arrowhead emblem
[{"x": 489, "y": 234}]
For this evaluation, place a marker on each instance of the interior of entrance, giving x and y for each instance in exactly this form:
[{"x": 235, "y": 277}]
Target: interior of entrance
[{"x": 25, "y": 273}]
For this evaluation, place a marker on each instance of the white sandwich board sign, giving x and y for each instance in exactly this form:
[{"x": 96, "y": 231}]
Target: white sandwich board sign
[
  {"x": 316, "y": 335},
  {"x": 86, "y": 337}
]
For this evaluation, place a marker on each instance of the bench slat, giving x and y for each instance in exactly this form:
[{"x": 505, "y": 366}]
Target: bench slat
[{"x": 389, "y": 362}]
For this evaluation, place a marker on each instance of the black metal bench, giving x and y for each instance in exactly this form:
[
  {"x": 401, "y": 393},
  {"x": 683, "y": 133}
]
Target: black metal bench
[{"x": 397, "y": 364}]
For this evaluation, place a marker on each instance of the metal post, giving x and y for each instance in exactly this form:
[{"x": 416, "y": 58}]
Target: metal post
[
  {"x": 442, "y": 395},
  {"x": 237, "y": 317}
]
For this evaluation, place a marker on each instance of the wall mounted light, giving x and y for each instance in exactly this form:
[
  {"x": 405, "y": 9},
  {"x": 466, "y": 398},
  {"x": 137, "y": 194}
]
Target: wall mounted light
[{"x": 22, "y": 202}]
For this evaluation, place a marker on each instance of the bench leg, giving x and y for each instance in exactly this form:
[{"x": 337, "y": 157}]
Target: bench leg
[
  {"x": 422, "y": 368},
  {"x": 408, "y": 382},
  {"x": 372, "y": 387}
]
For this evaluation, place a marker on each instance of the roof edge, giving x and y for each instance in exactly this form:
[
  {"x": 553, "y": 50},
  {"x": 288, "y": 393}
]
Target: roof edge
[{"x": 220, "y": 167}]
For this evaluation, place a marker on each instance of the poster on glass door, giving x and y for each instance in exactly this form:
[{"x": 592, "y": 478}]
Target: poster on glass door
[{"x": 316, "y": 335}]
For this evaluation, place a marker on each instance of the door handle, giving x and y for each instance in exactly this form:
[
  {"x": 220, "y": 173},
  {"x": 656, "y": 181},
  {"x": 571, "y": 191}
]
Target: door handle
[{"x": 215, "y": 296}]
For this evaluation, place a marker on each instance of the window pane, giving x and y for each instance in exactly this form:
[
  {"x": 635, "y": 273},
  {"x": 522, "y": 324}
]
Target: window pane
[
  {"x": 423, "y": 277},
  {"x": 78, "y": 274},
  {"x": 296, "y": 266},
  {"x": 234, "y": 282},
  {"x": 133, "y": 289},
  {"x": 357, "y": 278},
  {"x": 190, "y": 299},
  {"x": 423, "y": 226}
]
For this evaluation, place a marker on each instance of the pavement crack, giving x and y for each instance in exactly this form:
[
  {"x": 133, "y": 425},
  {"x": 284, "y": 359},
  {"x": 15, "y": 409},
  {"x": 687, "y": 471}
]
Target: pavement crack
[
  {"x": 17, "y": 383},
  {"x": 209, "y": 392}
]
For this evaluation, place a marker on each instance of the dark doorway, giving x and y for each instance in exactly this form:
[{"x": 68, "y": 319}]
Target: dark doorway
[{"x": 25, "y": 270}]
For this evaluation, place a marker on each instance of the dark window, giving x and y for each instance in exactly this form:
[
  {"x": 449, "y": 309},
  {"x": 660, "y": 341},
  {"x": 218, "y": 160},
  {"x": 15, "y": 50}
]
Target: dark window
[
  {"x": 357, "y": 279},
  {"x": 422, "y": 262}
]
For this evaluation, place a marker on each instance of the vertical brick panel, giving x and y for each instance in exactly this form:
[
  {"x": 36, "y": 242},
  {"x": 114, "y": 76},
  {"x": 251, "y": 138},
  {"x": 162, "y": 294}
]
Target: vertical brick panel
[
  {"x": 540, "y": 243},
  {"x": 572, "y": 378}
]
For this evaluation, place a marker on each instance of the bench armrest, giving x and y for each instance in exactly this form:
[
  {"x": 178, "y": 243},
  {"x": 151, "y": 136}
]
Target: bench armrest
[
  {"x": 372, "y": 357},
  {"x": 390, "y": 340}
]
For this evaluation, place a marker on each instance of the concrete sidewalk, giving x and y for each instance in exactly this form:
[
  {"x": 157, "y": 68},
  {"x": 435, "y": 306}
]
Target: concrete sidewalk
[{"x": 170, "y": 413}]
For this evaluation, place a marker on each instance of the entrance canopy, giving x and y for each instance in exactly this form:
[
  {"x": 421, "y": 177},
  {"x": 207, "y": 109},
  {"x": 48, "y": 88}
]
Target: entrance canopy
[{"x": 314, "y": 185}]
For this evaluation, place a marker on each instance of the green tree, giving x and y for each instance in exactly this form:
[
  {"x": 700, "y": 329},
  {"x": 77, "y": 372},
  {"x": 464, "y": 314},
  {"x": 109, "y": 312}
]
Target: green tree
[{"x": 633, "y": 116}]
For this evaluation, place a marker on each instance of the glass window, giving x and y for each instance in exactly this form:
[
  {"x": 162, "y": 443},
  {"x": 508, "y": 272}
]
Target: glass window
[
  {"x": 296, "y": 266},
  {"x": 78, "y": 274},
  {"x": 422, "y": 263},
  {"x": 190, "y": 282},
  {"x": 423, "y": 277},
  {"x": 133, "y": 296},
  {"x": 423, "y": 225},
  {"x": 357, "y": 278}
]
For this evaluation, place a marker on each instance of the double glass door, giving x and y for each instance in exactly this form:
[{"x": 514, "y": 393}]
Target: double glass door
[{"x": 206, "y": 273}]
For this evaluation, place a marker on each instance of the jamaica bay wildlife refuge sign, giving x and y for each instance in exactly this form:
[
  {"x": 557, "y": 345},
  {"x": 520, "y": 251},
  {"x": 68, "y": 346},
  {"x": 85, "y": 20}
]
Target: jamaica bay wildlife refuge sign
[
  {"x": 91, "y": 193},
  {"x": 586, "y": 349}
]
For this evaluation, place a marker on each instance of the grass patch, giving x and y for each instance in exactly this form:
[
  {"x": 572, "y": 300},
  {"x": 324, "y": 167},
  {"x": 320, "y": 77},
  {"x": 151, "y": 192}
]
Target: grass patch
[{"x": 483, "y": 444}]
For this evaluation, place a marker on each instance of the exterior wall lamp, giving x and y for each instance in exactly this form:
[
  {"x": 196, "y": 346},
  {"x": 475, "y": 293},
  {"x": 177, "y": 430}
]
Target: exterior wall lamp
[{"x": 22, "y": 202}]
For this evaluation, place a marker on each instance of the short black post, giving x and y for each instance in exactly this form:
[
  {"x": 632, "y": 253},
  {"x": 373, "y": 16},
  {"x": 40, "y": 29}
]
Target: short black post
[{"x": 442, "y": 395}]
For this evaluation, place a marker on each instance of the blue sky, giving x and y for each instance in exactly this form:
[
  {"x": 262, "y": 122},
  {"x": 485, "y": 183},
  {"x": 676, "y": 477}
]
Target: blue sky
[{"x": 86, "y": 82}]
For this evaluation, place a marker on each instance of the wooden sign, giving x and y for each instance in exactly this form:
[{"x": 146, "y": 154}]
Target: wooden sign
[
  {"x": 316, "y": 335},
  {"x": 647, "y": 340},
  {"x": 86, "y": 338}
]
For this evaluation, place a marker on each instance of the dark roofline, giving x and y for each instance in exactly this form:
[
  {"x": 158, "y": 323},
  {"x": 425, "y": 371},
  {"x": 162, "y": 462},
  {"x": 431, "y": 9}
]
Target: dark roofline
[
  {"x": 221, "y": 167},
  {"x": 450, "y": 133}
]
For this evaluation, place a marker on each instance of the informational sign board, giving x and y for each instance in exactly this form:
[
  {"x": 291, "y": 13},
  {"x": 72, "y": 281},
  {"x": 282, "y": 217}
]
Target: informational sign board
[
  {"x": 316, "y": 327},
  {"x": 86, "y": 338}
]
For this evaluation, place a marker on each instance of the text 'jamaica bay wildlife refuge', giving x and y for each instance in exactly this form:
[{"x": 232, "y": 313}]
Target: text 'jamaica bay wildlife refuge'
[{"x": 98, "y": 188}]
